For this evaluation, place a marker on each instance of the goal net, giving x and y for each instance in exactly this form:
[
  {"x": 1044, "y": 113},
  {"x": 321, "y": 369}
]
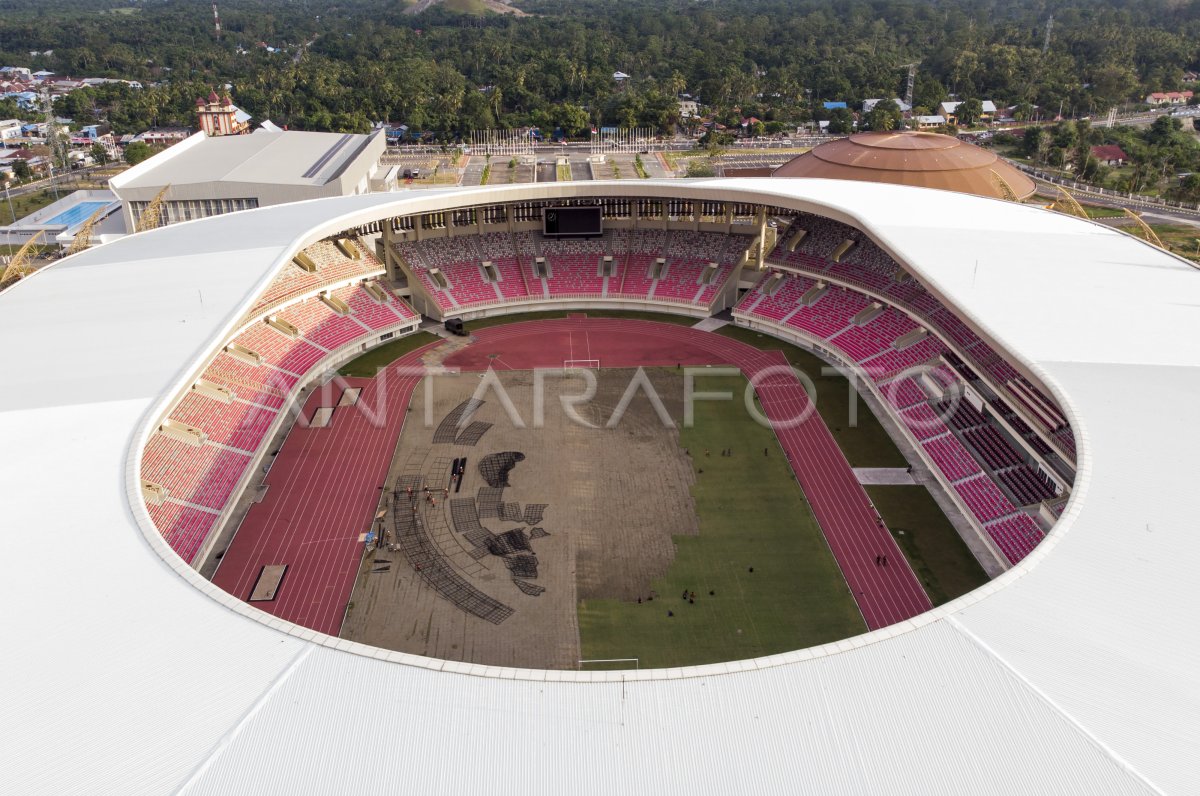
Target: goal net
[
  {"x": 581, "y": 364},
  {"x": 609, "y": 664}
]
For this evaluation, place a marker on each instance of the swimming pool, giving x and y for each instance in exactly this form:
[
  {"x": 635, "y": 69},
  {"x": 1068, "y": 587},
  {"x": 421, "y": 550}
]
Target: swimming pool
[{"x": 74, "y": 215}]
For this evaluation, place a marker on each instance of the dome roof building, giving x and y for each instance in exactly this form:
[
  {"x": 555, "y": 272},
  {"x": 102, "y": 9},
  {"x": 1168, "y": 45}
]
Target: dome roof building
[{"x": 923, "y": 160}]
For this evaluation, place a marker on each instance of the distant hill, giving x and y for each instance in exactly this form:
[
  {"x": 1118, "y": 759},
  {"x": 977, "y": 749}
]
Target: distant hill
[{"x": 474, "y": 7}]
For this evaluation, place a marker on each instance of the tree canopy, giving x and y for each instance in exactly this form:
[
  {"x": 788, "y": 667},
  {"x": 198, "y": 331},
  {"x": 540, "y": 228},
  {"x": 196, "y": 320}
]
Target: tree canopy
[
  {"x": 968, "y": 111},
  {"x": 884, "y": 116},
  {"x": 136, "y": 152},
  {"x": 342, "y": 67}
]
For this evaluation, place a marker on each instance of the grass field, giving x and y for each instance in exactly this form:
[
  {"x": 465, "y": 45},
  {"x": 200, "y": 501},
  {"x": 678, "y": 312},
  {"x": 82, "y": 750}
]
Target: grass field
[
  {"x": 944, "y": 565},
  {"x": 25, "y": 204},
  {"x": 865, "y": 445},
  {"x": 750, "y": 517},
  {"x": 1099, "y": 211},
  {"x": 1182, "y": 240},
  {"x": 369, "y": 363},
  {"x": 474, "y": 7}
]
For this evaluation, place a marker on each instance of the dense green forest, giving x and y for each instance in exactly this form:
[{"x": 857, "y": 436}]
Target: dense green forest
[{"x": 344, "y": 66}]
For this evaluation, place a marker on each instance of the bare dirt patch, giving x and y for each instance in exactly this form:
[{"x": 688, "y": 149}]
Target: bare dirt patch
[{"x": 607, "y": 502}]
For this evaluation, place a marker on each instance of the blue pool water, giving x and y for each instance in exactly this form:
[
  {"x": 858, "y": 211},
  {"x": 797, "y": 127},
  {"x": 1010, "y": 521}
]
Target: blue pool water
[{"x": 77, "y": 214}]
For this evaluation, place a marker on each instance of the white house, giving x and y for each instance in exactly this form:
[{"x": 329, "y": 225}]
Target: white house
[
  {"x": 10, "y": 129},
  {"x": 1168, "y": 98},
  {"x": 989, "y": 110}
]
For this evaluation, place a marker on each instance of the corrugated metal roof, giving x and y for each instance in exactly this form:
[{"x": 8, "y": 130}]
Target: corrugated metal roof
[
  {"x": 1073, "y": 673},
  {"x": 906, "y": 157},
  {"x": 281, "y": 158}
]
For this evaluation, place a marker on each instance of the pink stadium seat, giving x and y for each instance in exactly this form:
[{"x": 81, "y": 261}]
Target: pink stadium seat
[
  {"x": 1025, "y": 484},
  {"x": 1016, "y": 536},
  {"x": 867, "y": 266},
  {"x": 903, "y": 393},
  {"x": 831, "y": 313},
  {"x": 238, "y": 424},
  {"x": 279, "y": 350},
  {"x": 460, "y": 263},
  {"x": 322, "y": 326},
  {"x": 785, "y": 300},
  {"x": 680, "y": 279},
  {"x": 182, "y": 527},
  {"x": 992, "y": 447},
  {"x": 923, "y": 422},
  {"x": 891, "y": 362},
  {"x": 574, "y": 266},
  {"x": 636, "y": 282},
  {"x": 374, "y": 315},
  {"x": 260, "y": 384},
  {"x": 951, "y": 458},
  {"x": 204, "y": 475},
  {"x": 984, "y": 498},
  {"x": 332, "y": 267}
]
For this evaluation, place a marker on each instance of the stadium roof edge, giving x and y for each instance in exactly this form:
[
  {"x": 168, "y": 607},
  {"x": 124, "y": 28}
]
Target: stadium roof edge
[{"x": 1046, "y": 665}]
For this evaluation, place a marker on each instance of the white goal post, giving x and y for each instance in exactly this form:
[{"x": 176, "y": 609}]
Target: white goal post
[{"x": 637, "y": 664}]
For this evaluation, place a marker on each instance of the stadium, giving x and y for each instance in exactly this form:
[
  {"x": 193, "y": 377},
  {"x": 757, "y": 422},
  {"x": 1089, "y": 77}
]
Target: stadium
[{"x": 221, "y": 417}]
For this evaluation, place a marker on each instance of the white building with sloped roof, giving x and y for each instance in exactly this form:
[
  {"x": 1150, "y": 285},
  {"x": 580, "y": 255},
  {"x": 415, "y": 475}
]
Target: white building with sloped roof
[{"x": 205, "y": 176}]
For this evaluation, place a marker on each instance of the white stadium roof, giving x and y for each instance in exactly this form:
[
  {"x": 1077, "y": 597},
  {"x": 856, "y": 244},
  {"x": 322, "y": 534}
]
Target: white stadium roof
[{"x": 1076, "y": 672}]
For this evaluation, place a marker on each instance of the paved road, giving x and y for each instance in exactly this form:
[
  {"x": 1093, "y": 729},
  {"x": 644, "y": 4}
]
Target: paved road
[
  {"x": 1168, "y": 214},
  {"x": 473, "y": 173}
]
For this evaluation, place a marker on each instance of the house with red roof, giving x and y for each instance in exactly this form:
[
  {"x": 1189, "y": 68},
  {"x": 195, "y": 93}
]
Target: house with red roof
[
  {"x": 1109, "y": 154},
  {"x": 1168, "y": 98}
]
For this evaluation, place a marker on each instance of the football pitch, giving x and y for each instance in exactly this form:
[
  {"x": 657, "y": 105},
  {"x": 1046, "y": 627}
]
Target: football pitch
[{"x": 763, "y": 576}]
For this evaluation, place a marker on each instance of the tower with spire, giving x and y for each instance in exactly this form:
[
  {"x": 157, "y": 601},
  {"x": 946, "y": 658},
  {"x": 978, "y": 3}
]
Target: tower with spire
[{"x": 219, "y": 116}]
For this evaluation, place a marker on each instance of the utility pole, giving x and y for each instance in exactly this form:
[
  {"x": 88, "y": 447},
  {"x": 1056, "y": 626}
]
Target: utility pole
[
  {"x": 912, "y": 79},
  {"x": 8, "y": 196},
  {"x": 1046, "y": 39},
  {"x": 908, "y": 90},
  {"x": 53, "y": 138}
]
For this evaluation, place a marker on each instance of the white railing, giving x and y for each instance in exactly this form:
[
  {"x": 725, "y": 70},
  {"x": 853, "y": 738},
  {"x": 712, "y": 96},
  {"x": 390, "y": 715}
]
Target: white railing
[{"x": 1123, "y": 196}]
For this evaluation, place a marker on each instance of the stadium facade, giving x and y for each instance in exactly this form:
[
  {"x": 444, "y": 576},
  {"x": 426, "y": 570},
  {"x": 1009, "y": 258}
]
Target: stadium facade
[{"x": 1073, "y": 672}]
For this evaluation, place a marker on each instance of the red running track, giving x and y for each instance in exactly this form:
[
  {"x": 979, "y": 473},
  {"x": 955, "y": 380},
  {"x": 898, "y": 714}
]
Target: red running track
[
  {"x": 323, "y": 493},
  {"x": 324, "y": 482}
]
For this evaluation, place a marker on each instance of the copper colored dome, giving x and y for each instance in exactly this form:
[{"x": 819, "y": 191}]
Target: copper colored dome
[{"x": 924, "y": 160}]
